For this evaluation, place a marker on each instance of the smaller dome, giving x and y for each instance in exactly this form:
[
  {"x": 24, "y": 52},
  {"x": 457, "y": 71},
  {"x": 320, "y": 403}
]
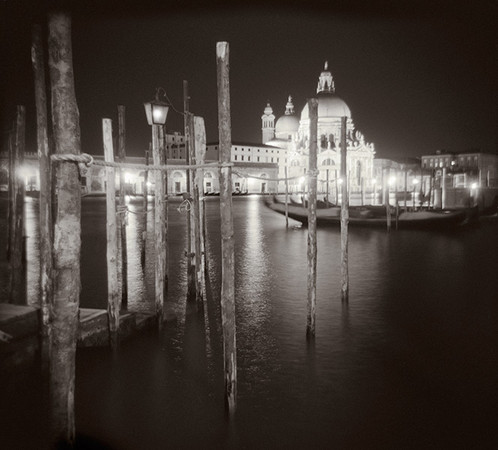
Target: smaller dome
[{"x": 286, "y": 125}]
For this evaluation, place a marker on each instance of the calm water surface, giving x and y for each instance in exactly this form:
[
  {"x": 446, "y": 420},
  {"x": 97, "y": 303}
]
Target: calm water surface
[{"x": 410, "y": 362}]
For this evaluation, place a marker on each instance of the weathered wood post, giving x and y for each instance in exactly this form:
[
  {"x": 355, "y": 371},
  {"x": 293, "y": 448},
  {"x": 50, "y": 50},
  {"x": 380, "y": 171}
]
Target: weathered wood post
[
  {"x": 336, "y": 187},
  {"x": 443, "y": 188},
  {"x": 113, "y": 291},
  {"x": 227, "y": 242},
  {"x": 191, "y": 241},
  {"x": 17, "y": 288},
  {"x": 327, "y": 189},
  {"x": 361, "y": 192},
  {"x": 199, "y": 132},
  {"x": 46, "y": 225},
  {"x": 286, "y": 199},
  {"x": 406, "y": 188},
  {"x": 122, "y": 208},
  {"x": 145, "y": 207},
  {"x": 312, "y": 188},
  {"x": 67, "y": 230},
  {"x": 388, "y": 200},
  {"x": 189, "y": 150},
  {"x": 160, "y": 206},
  {"x": 344, "y": 214}
]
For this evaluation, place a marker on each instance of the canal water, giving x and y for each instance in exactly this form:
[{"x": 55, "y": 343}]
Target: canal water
[{"x": 411, "y": 362}]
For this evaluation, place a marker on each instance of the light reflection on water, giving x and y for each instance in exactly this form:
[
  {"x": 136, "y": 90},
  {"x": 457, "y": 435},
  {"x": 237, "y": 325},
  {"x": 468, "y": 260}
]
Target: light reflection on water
[{"x": 408, "y": 361}]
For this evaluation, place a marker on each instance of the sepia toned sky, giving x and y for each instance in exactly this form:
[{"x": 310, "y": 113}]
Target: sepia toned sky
[{"x": 418, "y": 76}]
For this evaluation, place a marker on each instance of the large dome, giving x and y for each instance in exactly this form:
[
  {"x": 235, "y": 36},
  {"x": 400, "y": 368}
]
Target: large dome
[
  {"x": 286, "y": 125},
  {"x": 329, "y": 106}
]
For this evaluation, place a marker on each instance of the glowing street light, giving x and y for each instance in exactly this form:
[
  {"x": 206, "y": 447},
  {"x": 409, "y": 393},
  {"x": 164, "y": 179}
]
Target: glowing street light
[{"x": 156, "y": 110}]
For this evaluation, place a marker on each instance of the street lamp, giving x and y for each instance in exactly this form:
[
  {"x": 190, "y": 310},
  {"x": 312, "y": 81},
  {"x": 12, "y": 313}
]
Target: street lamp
[{"x": 156, "y": 110}]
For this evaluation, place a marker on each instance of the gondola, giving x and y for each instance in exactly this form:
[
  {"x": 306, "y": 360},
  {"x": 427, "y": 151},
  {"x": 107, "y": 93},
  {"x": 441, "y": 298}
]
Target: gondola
[{"x": 375, "y": 216}]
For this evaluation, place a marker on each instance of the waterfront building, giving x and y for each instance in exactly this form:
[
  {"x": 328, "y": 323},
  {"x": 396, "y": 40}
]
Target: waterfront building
[
  {"x": 247, "y": 177},
  {"x": 292, "y": 132},
  {"x": 465, "y": 168}
]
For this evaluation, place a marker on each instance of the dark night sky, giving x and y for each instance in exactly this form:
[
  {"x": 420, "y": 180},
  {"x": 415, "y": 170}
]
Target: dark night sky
[{"x": 417, "y": 76}]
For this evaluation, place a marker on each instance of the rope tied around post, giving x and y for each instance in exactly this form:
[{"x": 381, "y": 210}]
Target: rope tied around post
[
  {"x": 256, "y": 177},
  {"x": 88, "y": 160},
  {"x": 84, "y": 161}
]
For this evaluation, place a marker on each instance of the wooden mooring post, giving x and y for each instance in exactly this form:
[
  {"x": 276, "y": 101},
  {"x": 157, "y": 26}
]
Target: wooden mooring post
[
  {"x": 160, "y": 225},
  {"x": 67, "y": 231},
  {"x": 227, "y": 241},
  {"x": 113, "y": 288},
  {"x": 17, "y": 288},
  {"x": 344, "y": 213},
  {"x": 123, "y": 251},
  {"x": 388, "y": 201},
  {"x": 286, "y": 199},
  {"x": 189, "y": 152},
  {"x": 144, "y": 208},
  {"x": 312, "y": 247},
  {"x": 198, "y": 156},
  {"x": 45, "y": 219}
]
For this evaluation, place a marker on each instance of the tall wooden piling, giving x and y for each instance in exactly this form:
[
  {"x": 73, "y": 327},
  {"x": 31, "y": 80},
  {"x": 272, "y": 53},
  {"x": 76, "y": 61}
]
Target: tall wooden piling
[
  {"x": 113, "y": 290},
  {"x": 388, "y": 200},
  {"x": 336, "y": 187},
  {"x": 191, "y": 241},
  {"x": 160, "y": 266},
  {"x": 443, "y": 188},
  {"x": 227, "y": 241},
  {"x": 45, "y": 219},
  {"x": 327, "y": 187},
  {"x": 406, "y": 188},
  {"x": 312, "y": 188},
  {"x": 67, "y": 230},
  {"x": 144, "y": 208},
  {"x": 286, "y": 199},
  {"x": 122, "y": 208},
  {"x": 199, "y": 132},
  {"x": 344, "y": 214},
  {"x": 17, "y": 288}
]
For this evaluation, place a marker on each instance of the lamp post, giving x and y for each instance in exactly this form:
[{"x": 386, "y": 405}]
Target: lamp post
[{"x": 156, "y": 112}]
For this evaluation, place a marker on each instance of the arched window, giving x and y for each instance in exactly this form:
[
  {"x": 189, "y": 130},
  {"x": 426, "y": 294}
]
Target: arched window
[
  {"x": 328, "y": 162},
  {"x": 208, "y": 175},
  {"x": 177, "y": 174}
]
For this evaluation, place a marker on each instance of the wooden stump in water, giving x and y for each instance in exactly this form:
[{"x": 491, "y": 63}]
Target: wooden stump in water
[
  {"x": 67, "y": 230},
  {"x": 113, "y": 290},
  {"x": 312, "y": 188},
  {"x": 227, "y": 242}
]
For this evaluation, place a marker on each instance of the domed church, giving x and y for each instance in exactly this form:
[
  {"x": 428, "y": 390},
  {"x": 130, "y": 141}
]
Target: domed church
[{"x": 292, "y": 134}]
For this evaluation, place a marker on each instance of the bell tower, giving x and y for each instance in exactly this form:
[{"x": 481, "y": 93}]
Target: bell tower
[{"x": 268, "y": 124}]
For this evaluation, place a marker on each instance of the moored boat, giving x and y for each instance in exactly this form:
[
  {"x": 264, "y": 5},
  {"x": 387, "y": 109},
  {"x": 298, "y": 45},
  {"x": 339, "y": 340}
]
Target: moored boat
[{"x": 375, "y": 216}]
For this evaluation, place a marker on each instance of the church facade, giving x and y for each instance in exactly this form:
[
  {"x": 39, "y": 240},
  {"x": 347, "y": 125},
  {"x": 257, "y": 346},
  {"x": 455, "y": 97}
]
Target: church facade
[{"x": 291, "y": 133}]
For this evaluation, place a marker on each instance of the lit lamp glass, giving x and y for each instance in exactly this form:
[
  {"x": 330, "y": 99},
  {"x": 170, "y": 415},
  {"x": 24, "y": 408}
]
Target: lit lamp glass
[{"x": 156, "y": 112}]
